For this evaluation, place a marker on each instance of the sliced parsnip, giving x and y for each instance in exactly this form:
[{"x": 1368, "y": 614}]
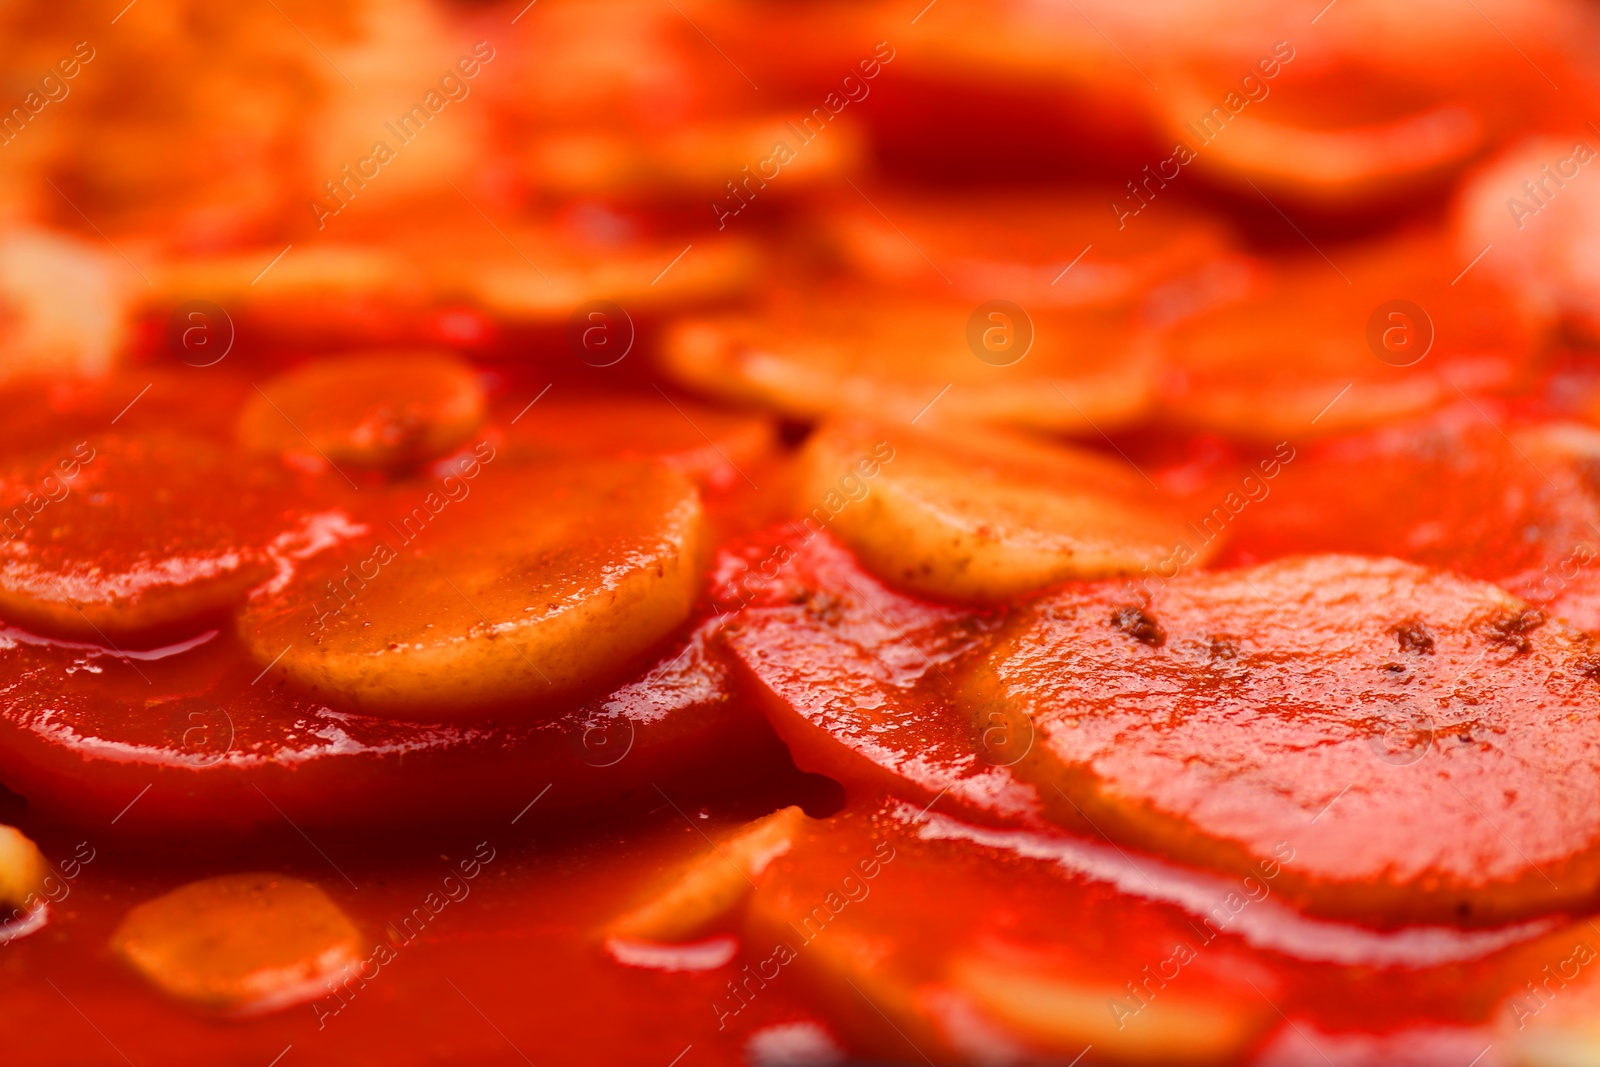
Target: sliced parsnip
[
  {"x": 929, "y": 944},
  {"x": 1407, "y": 745},
  {"x": 875, "y": 353},
  {"x": 133, "y": 536},
  {"x": 541, "y": 581},
  {"x": 1018, "y": 245},
  {"x": 240, "y": 944},
  {"x": 982, "y": 516},
  {"x": 712, "y": 445},
  {"x": 381, "y": 409},
  {"x": 1551, "y": 1015},
  {"x": 63, "y": 301},
  {"x": 1279, "y": 361},
  {"x": 712, "y": 884},
  {"x": 22, "y": 869},
  {"x": 1063, "y": 1012}
]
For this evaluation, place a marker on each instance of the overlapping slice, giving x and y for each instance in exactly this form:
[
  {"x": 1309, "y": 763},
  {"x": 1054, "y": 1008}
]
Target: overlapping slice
[
  {"x": 586, "y": 124},
  {"x": 1043, "y": 944},
  {"x": 710, "y": 444},
  {"x": 858, "y": 678},
  {"x": 705, "y": 890},
  {"x": 876, "y": 353},
  {"x": 63, "y": 302},
  {"x": 62, "y": 408},
  {"x": 1317, "y": 141},
  {"x": 1532, "y": 217},
  {"x": 984, "y": 517},
  {"x": 130, "y": 537},
  {"x": 22, "y": 872},
  {"x": 682, "y": 161},
  {"x": 196, "y": 739},
  {"x": 1061, "y": 249},
  {"x": 379, "y": 409},
  {"x": 1518, "y": 508},
  {"x": 528, "y": 586},
  {"x": 1320, "y": 345},
  {"x": 1549, "y": 1020},
  {"x": 344, "y": 290},
  {"x": 1027, "y": 964},
  {"x": 1425, "y": 743}
]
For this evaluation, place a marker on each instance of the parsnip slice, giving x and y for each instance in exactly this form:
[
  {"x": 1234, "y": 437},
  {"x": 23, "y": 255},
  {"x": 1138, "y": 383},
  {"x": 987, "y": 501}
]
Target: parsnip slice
[
  {"x": 539, "y": 582},
  {"x": 1063, "y": 1011},
  {"x": 875, "y": 353},
  {"x": 381, "y": 409},
  {"x": 22, "y": 869},
  {"x": 133, "y": 536},
  {"x": 712, "y": 445},
  {"x": 1407, "y": 745},
  {"x": 712, "y": 884},
  {"x": 239, "y": 944},
  {"x": 982, "y": 516},
  {"x": 926, "y": 943},
  {"x": 1392, "y": 332}
]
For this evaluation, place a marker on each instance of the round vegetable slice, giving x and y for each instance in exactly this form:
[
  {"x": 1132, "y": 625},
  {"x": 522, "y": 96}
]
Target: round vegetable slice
[
  {"x": 981, "y": 516},
  {"x": 877, "y": 354},
  {"x": 1518, "y": 508},
  {"x": 382, "y": 409},
  {"x": 1534, "y": 225},
  {"x": 859, "y": 680},
  {"x": 240, "y": 944},
  {"x": 1321, "y": 345},
  {"x": 22, "y": 871},
  {"x": 1040, "y": 250},
  {"x": 1423, "y": 742},
  {"x": 540, "y": 582},
  {"x": 713, "y": 445},
  {"x": 130, "y": 537},
  {"x": 1029, "y": 961},
  {"x": 194, "y": 739}
]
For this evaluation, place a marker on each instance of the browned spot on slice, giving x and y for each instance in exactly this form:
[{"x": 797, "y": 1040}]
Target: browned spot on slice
[
  {"x": 1413, "y": 636},
  {"x": 1139, "y": 624}
]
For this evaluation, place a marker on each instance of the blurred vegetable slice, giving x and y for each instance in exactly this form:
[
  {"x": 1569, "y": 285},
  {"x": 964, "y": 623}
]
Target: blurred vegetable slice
[
  {"x": 875, "y": 353},
  {"x": 1323, "y": 343},
  {"x": 1471, "y": 489},
  {"x": 712, "y": 445},
  {"x": 240, "y": 944},
  {"x": 712, "y": 885},
  {"x": 378, "y": 409}
]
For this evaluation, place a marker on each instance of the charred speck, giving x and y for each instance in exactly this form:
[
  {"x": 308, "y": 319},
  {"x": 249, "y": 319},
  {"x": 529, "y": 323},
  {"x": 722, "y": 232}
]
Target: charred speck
[
  {"x": 1224, "y": 647},
  {"x": 824, "y": 608},
  {"x": 1140, "y": 625},
  {"x": 1512, "y": 628},
  {"x": 1413, "y": 636},
  {"x": 1588, "y": 665}
]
